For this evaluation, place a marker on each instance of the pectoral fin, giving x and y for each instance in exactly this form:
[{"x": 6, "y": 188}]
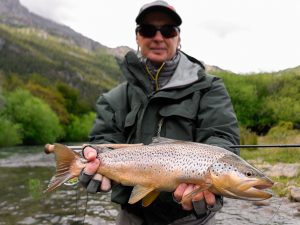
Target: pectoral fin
[
  {"x": 138, "y": 193},
  {"x": 149, "y": 198}
]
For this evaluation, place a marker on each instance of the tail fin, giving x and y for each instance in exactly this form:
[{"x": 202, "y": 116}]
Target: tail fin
[{"x": 66, "y": 166}]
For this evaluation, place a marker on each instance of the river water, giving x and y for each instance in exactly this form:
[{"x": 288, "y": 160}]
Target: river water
[{"x": 25, "y": 175}]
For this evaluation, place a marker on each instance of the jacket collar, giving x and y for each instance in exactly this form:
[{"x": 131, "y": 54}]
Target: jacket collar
[{"x": 188, "y": 71}]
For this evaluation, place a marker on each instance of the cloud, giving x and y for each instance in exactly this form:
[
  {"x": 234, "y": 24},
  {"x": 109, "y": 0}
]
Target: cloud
[
  {"x": 55, "y": 10},
  {"x": 220, "y": 28},
  {"x": 243, "y": 36}
]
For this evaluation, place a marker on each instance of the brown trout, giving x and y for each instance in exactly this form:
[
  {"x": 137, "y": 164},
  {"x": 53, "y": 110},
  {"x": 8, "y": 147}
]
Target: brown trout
[{"x": 163, "y": 165}]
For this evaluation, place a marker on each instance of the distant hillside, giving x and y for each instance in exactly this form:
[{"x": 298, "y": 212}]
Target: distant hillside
[
  {"x": 26, "y": 51},
  {"x": 31, "y": 44},
  {"x": 14, "y": 14}
]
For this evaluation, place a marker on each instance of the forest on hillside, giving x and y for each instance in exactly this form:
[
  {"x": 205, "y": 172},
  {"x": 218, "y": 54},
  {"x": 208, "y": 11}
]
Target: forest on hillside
[{"x": 48, "y": 88}]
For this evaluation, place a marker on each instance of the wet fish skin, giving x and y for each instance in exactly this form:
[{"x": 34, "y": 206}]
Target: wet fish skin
[{"x": 166, "y": 163}]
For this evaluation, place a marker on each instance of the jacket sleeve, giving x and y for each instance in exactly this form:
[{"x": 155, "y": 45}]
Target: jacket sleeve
[
  {"x": 217, "y": 123},
  {"x": 111, "y": 109}
]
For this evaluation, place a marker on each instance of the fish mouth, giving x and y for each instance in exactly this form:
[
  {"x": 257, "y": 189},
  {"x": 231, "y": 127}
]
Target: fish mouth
[
  {"x": 257, "y": 183},
  {"x": 255, "y": 189},
  {"x": 262, "y": 187}
]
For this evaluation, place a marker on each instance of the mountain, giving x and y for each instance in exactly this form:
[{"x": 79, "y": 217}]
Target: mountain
[
  {"x": 14, "y": 14},
  {"x": 32, "y": 46}
]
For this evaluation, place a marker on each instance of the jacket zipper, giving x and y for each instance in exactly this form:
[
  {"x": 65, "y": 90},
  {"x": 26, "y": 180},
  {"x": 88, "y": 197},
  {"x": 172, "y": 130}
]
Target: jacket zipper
[{"x": 160, "y": 124}]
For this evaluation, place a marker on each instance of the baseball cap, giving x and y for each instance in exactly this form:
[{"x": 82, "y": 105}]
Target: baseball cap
[{"x": 161, "y": 6}]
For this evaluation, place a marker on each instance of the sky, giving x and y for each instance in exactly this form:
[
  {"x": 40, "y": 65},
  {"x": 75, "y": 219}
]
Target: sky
[{"x": 243, "y": 36}]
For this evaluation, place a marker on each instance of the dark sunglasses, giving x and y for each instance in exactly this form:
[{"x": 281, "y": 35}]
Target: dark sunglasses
[{"x": 149, "y": 31}]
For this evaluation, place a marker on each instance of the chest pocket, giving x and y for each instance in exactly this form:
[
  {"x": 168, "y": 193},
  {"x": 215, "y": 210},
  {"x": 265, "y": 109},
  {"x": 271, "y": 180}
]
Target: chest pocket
[
  {"x": 180, "y": 118},
  {"x": 131, "y": 123}
]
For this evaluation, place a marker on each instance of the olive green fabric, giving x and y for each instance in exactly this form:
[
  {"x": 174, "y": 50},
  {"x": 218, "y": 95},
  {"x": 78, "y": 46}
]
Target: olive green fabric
[{"x": 194, "y": 106}]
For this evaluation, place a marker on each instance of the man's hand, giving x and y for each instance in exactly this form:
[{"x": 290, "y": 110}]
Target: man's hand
[
  {"x": 184, "y": 189},
  {"x": 94, "y": 182}
]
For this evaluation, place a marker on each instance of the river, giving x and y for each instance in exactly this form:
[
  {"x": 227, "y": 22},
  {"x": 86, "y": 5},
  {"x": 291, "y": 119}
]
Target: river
[{"x": 25, "y": 173}]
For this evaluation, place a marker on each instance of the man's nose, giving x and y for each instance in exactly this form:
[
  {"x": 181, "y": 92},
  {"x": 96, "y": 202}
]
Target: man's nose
[{"x": 158, "y": 36}]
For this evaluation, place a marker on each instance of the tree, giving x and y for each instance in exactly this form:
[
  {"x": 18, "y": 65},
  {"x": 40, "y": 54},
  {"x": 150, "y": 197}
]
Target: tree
[{"x": 39, "y": 123}]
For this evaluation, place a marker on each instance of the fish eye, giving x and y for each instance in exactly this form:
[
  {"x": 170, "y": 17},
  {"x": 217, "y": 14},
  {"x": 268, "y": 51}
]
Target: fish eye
[{"x": 249, "y": 173}]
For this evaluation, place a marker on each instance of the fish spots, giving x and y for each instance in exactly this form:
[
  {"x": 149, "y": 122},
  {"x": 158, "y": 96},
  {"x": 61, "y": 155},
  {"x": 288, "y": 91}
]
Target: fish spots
[
  {"x": 185, "y": 159},
  {"x": 219, "y": 168}
]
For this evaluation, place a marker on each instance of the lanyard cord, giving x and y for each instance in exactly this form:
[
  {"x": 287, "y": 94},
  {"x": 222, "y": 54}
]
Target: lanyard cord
[{"x": 155, "y": 78}]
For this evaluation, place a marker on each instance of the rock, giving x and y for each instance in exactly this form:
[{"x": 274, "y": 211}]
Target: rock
[
  {"x": 28, "y": 220},
  {"x": 285, "y": 170},
  {"x": 261, "y": 203},
  {"x": 294, "y": 194}
]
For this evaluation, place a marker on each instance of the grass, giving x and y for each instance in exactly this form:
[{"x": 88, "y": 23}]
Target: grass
[
  {"x": 272, "y": 155},
  {"x": 282, "y": 184}
]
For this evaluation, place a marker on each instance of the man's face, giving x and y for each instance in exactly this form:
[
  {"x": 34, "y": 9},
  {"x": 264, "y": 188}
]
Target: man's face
[{"x": 158, "y": 48}]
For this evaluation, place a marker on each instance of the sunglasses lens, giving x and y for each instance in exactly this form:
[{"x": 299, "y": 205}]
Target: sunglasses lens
[
  {"x": 168, "y": 31},
  {"x": 149, "y": 31}
]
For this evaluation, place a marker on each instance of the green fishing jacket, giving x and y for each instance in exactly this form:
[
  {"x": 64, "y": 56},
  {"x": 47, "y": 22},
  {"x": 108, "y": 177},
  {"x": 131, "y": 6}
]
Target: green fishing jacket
[{"x": 192, "y": 106}]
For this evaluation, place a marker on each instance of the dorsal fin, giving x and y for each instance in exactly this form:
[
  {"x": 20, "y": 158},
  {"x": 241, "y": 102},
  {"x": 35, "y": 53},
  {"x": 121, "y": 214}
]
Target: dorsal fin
[{"x": 162, "y": 140}]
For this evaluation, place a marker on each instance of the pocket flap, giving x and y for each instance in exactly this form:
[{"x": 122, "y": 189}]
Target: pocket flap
[
  {"x": 131, "y": 116},
  {"x": 184, "y": 109}
]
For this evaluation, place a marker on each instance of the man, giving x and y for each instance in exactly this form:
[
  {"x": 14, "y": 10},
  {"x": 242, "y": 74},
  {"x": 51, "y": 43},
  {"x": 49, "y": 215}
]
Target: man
[{"x": 168, "y": 93}]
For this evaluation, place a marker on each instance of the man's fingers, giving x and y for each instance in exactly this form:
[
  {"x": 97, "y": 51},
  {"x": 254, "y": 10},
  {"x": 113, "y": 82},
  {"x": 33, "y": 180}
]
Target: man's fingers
[
  {"x": 89, "y": 153},
  {"x": 98, "y": 177},
  {"x": 199, "y": 196},
  {"x": 93, "y": 186},
  {"x": 209, "y": 198},
  {"x": 178, "y": 193},
  {"x": 85, "y": 178},
  {"x": 106, "y": 184},
  {"x": 187, "y": 205},
  {"x": 92, "y": 167}
]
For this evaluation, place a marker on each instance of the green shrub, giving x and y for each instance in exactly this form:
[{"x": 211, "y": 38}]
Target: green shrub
[
  {"x": 52, "y": 97},
  {"x": 40, "y": 124},
  {"x": 80, "y": 127},
  {"x": 285, "y": 108},
  {"x": 10, "y": 133},
  {"x": 72, "y": 103},
  {"x": 248, "y": 137},
  {"x": 282, "y": 131}
]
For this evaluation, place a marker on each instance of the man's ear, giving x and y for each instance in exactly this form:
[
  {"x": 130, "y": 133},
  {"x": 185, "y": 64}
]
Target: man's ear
[{"x": 179, "y": 42}]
